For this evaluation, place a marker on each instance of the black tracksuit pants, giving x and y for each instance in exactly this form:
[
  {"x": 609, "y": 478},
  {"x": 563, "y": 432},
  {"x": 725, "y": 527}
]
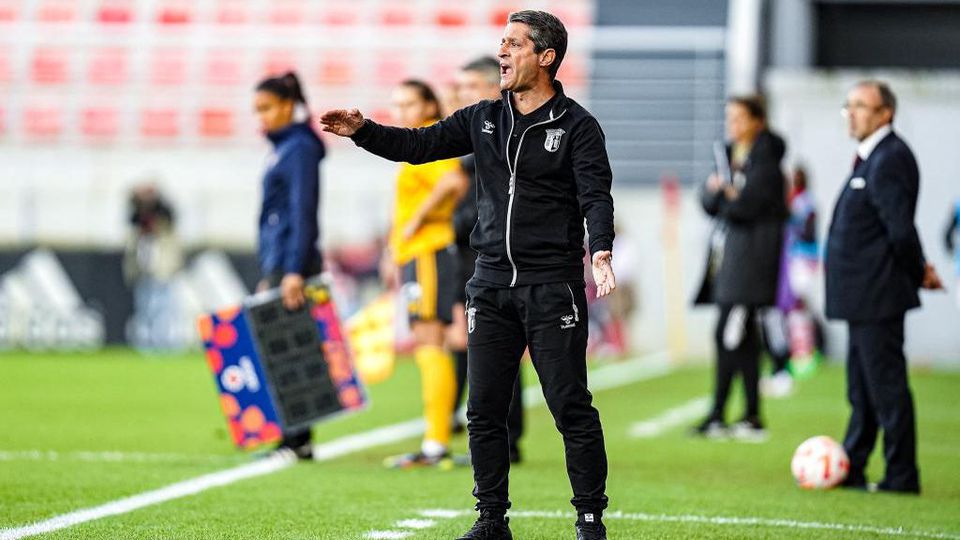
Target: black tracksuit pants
[
  {"x": 551, "y": 319},
  {"x": 879, "y": 394}
]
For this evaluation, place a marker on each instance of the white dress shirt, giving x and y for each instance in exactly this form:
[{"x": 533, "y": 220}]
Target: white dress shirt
[{"x": 867, "y": 145}]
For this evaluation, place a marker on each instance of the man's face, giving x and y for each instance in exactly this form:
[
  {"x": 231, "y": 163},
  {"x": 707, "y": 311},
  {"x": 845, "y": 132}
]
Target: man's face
[
  {"x": 519, "y": 65},
  {"x": 474, "y": 86},
  {"x": 865, "y": 112}
]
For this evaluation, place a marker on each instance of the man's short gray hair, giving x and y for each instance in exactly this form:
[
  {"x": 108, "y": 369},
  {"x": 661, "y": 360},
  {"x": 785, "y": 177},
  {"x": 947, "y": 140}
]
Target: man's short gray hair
[
  {"x": 487, "y": 66},
  {"x": 546, "y": 32},
  {"x": 887, "y": 98}
]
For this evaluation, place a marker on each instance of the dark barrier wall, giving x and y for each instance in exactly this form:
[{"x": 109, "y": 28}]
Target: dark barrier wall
[{"x": 98, "y": 278}]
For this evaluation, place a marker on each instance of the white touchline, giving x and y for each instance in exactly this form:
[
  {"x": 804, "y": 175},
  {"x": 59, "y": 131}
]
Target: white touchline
[
  {"x": 708, "y": 520},
  {"x": 609, "y": 376},
  {"x": 116, "y": 457},
  {"x": 670, "y": 418}
]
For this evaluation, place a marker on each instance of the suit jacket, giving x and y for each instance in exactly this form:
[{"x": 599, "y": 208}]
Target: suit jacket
[
  {"x": 874, "y": 260},
  {"x": 748, "y": 264}
]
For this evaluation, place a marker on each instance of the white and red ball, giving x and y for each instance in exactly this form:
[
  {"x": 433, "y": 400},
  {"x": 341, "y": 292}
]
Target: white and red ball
[{"x": 819, "y": 463}]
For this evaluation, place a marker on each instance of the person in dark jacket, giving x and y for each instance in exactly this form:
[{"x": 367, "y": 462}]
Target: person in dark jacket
[
  {"x": 479, "y": 80},
  {"x": 542, "y": 168},
  {"x": 874, "y": 268},
  {"x": 289, "y": 228},
  {"x": 746, "y": 198}
]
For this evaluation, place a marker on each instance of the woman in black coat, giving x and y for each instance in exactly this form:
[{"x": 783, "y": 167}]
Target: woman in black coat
[{"x": 746, "y": 197}]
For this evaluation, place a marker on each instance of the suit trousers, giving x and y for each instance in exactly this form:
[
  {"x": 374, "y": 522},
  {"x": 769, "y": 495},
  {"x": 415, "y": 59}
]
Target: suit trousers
[
  {"x": 550, "y": 319},
  {"x": 879, "y": 394}
]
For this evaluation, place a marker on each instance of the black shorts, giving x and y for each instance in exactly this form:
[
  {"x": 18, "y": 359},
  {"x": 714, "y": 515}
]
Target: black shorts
[{"x": 429, "y": 285}]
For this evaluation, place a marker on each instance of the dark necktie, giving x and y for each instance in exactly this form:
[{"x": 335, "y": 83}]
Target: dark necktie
[{"x": 857, "y": 160}]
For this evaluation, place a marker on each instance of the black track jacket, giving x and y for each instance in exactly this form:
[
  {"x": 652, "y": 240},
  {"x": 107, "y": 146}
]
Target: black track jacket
[{"x": 532, "y": 199}]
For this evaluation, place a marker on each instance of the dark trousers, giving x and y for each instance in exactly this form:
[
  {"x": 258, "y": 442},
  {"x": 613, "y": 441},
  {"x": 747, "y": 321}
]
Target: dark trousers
[
  {"x": 514, "y": 418},
  {"x": 552, "y": 320},
  {"x": 743, "y": 359},
  {"x": 879, "y": 394}
]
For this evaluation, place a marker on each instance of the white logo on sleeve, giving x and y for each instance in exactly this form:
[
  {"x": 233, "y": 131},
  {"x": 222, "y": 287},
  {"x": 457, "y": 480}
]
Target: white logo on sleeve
[
  {"x": 488, "y": 127},
  {"x": 553, "y": 139}
]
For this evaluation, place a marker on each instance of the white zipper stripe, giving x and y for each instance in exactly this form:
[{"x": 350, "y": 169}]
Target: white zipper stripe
[
  {"x": 513, "y": 177},
  {"x": 573, "y": 301}
]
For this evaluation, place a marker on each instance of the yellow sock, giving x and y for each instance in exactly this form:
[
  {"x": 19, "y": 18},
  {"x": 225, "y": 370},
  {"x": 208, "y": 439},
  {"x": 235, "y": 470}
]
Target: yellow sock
[{"x": 438, "y": 382}]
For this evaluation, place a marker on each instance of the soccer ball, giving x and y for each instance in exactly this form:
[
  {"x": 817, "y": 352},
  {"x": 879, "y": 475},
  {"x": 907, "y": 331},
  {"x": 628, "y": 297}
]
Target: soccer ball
[{"x": 819, "y": 463}]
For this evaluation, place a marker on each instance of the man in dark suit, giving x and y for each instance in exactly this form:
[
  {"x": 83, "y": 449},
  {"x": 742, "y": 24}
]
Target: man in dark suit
[{"x": 874, "y": 267}]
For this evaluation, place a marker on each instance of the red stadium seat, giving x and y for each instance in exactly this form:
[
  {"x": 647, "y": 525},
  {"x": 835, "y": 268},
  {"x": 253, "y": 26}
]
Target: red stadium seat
[
  {"x": 9, "y": 10},
  {"x": 168, "y": 67},
  {"x": 216, "y": 123},
  {"x": 50, "y": 65},
  {"x": 278, "y": 62},
  {"x": 115, "y": 12},
  {"x": 99, "y": 122},
  {"x": 174, "y": 13},
  {"x": 499, "y": 15},
  {"x": 340, "y": 17},
  {"x": 391, "y": 70},
  {"x": 288, "y": 12},
  {"x": 108, "y": 66},
  {"x": 336, "y": 69},
  {"x": 42, "y": 121},
  {"x": 400, "y": 16},
  {"x": 232, "y": 13},
  {"x": 159, "y": 123},
  {"x": 451, "y": 18},
  {"x": 57, "y": 11},
  {"x": 224, "y": 68}
]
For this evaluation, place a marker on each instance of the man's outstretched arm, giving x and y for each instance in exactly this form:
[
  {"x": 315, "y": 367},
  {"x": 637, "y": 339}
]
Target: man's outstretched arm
[{"x": 447, "y": 138}]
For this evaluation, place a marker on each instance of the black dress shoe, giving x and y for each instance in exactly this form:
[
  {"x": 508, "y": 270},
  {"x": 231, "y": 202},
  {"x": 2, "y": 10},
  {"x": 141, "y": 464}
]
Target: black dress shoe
[{"x": 884, "y": 487}]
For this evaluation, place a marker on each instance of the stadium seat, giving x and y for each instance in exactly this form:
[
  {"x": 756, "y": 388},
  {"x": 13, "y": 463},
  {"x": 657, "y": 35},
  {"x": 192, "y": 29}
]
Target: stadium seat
[
  {"x": 159, "y": 123},
  {"x": 286, "y": 13},
  {"x": 232, "y": 12},
  {"x": 9, "y": 11},
  {"x": 174, "y": 14},
  {"x": 278, "y": 61},
  {"x": 42, "y": 121},
  {"x": 224, "y": 68},
  {"x": 451, "y": 18},
  {"x": 57, "y": 11},
  {"x": 168, "y": 67},
  {"x": 340, "y": 17},
  {"x": 336, "y": 69},
  {"x": 391, "y": 70},
  {"x": 216, "y": 123},
  {"x": 115, "y": 12},
  {"x": 396, "y": 16},
  {"x": 99, "y": 122},
  {"x": 108, "y": 66},
  {"x": 499, "y": 15},
  {"x": 50, "y": 65}
]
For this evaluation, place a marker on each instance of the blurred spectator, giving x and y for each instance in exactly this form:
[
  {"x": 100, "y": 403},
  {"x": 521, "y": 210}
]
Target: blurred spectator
[
  {"x": 746, "y": 197},
  {"x": 152, "y": 255},
  {"x": 953, "y": 229}
]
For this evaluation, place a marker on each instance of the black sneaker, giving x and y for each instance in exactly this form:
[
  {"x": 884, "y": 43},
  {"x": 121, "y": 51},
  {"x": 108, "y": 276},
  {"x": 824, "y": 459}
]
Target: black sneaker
[
  {"x": 588, "y": 529},
  {"x": 490, "y": 526},
  {"x": 711, "y": 428}
]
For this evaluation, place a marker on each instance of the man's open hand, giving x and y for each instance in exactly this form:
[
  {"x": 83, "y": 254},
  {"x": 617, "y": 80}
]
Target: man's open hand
[
  {"x": 603, "y": 273},
  {"x": 342, "y": 122}
]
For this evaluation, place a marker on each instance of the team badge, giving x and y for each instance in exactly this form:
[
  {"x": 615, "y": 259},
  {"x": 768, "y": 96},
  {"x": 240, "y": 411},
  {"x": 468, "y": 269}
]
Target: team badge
[
  {"x": 488, "y": 126},
  {"x": 553, "y": 139}
]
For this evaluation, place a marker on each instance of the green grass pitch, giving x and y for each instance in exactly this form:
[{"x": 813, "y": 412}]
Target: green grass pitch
[{"x": 80, "y": 430}]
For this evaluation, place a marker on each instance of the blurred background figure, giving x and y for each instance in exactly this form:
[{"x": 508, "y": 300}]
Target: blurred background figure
[
  {"x": 288, "y": 246},
  {"x": 152, "y": 256},
  {"x": 950, "y": 242},
  {"x": 477, "y": 81},
  {"x": 746, "y": 198},
  {"x": 422, "y": 249}
]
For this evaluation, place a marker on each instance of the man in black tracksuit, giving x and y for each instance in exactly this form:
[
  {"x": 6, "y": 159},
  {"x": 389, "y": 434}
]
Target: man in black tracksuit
[{"x": 542, "y": 168}]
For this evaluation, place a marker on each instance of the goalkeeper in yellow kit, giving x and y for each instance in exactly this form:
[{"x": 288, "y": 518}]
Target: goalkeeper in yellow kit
[{"x": 422, "y": 248}]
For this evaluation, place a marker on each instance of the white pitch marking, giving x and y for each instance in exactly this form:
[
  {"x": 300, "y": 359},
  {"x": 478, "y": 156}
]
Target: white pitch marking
[
  {"x": 670, "y": 418},
  {"x": 712, "y": 520},
  {"x": 388, "y": 535},
  {"x": 113, "y": 457},
  {"x": 609, "y": 376},
  {"x": 416, "y": 523}
]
